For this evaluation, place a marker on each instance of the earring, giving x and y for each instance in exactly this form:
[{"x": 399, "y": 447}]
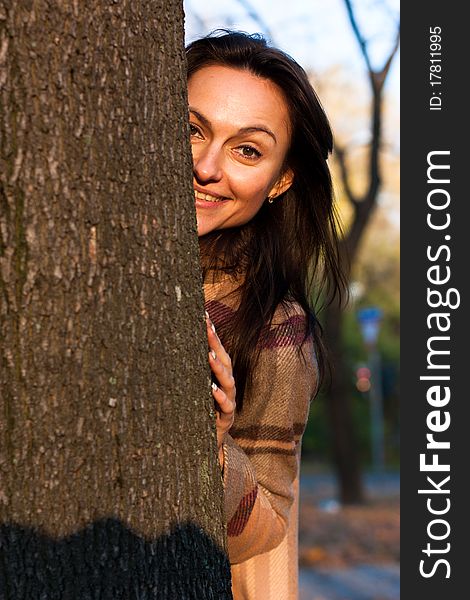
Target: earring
[{"x": 270, "y": 199}]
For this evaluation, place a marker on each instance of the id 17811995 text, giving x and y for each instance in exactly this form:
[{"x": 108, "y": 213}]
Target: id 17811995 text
[{"x": 435, "y": 68}]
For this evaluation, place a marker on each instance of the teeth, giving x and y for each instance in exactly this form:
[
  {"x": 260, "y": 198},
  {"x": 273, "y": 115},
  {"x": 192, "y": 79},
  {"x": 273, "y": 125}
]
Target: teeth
[{"x": 207, "y": 197}]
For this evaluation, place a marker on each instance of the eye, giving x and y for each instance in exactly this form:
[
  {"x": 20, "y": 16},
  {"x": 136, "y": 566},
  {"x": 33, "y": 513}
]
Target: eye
[
  {"x": 249, "y": 152},
  {"x": 193, "y": 130}
]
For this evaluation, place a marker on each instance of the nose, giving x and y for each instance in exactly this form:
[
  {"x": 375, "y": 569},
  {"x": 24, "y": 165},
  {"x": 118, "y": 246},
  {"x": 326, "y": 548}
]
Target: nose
[{"x": 207, "y": 163}]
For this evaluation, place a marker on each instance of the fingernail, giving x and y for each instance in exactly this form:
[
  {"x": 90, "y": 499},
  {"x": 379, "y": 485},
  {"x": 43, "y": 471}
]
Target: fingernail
[
  {"x": 214, "y": 386},
  {"x": 207, "y": 314},
  {"x": 213, "y": 327},
  {"x": 213, "y": 354}
]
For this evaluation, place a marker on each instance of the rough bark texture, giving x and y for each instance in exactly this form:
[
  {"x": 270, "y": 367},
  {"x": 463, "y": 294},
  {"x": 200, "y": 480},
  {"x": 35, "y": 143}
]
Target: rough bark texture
[{"x": 110, "y": 486}]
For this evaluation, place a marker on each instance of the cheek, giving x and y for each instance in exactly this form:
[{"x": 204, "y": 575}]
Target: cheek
[{"x": 256, "y": 186}]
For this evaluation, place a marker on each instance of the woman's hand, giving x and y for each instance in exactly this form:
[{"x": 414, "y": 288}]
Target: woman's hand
[{"x": 224, "y": 394}]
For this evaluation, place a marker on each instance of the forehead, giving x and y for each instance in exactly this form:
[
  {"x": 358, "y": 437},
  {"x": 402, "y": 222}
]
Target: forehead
[{"x": 226, "y": 94}]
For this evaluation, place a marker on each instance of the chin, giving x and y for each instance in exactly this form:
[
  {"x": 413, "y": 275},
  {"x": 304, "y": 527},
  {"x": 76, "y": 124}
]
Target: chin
[
  {"x": 203, "y": 228},
  {"x": 202, "y": 231}
]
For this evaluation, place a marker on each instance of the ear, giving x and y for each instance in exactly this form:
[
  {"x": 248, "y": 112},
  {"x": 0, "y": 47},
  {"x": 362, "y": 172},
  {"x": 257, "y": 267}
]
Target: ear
[{"x": 282, "y": 184}]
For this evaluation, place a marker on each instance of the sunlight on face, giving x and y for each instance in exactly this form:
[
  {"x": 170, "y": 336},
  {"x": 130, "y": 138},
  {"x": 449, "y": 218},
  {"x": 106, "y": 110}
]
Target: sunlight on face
[{"x": 240, "y": 137}]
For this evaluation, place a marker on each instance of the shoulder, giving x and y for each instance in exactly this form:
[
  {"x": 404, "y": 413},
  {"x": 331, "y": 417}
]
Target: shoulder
[
  {"x": 289, "y": 341},
  {"x": 289, "y": 311},
  {"x": 289, "y": 326}
]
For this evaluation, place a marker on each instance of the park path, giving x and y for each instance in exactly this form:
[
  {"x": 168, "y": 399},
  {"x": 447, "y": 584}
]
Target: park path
[
  {"x": 362, "y": 582},
  {"x": 354, "y": 581}
]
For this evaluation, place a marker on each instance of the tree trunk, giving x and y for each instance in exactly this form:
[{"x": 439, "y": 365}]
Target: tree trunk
[
  {"x": 110, "y": 486},
  {"x": 345, "y": 450},
  {"x": 344, "y": 445},
  {"x": 340, "y": 411}
]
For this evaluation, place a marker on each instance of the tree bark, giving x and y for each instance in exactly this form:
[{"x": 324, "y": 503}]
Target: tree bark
[{"x": 109, "y": 481}]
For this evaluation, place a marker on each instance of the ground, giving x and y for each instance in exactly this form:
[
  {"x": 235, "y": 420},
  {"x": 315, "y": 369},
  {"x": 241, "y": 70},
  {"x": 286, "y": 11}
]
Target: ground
[
  {"x": 353, "y": 552},
  {"x": 353, "y": 535}
]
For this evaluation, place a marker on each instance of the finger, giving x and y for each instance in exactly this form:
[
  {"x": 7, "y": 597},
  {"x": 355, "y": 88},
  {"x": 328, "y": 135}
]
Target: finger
[
  {"x": 212, "y": 334},
  {"x": 224, "y": 375},
  {"x": 226, "y": 406},
  {"x": 216, "y": 345}
]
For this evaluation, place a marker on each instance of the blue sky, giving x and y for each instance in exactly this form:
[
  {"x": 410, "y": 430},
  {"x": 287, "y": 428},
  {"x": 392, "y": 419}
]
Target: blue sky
[{"x": 316, "y": 33}]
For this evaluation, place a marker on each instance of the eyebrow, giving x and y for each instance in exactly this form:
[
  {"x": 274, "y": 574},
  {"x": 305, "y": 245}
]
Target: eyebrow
[{"x": 252, "y": 129}]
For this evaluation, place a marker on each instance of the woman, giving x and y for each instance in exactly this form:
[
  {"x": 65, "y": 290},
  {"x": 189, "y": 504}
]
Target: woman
[{"x": 268, "y": 242}]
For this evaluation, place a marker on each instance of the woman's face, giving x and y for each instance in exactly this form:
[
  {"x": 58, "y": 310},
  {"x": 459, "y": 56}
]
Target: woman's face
[{"x": 240, "y": 136}]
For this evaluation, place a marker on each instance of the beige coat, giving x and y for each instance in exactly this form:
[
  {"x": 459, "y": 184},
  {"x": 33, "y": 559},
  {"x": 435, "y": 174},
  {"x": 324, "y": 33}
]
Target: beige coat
[{"x": 262, "y": 454}]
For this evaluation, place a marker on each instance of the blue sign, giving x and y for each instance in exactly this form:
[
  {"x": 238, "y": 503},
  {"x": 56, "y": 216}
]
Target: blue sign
[{"x": 369, "y": 322}]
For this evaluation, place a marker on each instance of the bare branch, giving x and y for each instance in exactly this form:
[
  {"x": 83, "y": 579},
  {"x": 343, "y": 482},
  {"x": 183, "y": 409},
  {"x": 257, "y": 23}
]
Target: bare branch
[
  {"x": 357, "y": 33},
  {"x": 377, "y": 78},
  {"x": 382, "y": 75}
]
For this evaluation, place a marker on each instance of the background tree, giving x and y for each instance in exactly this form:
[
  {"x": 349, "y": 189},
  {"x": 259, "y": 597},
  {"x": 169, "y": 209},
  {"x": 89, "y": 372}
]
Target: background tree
[
  {"x": 345, "y": 446},
  {"x": 109, "y": 480}
]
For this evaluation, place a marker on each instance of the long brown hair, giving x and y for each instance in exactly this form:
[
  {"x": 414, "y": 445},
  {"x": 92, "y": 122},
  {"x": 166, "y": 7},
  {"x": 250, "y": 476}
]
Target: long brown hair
[{"x": 289, "y": 250}]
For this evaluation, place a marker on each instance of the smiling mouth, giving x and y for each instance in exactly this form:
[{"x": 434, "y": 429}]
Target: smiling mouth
[{"x": 208, "y": 197}]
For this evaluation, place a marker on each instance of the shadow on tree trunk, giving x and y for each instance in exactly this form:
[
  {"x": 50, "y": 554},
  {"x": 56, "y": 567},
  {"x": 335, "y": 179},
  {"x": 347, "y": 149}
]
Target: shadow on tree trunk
[{"x": 108, "y": 561}]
